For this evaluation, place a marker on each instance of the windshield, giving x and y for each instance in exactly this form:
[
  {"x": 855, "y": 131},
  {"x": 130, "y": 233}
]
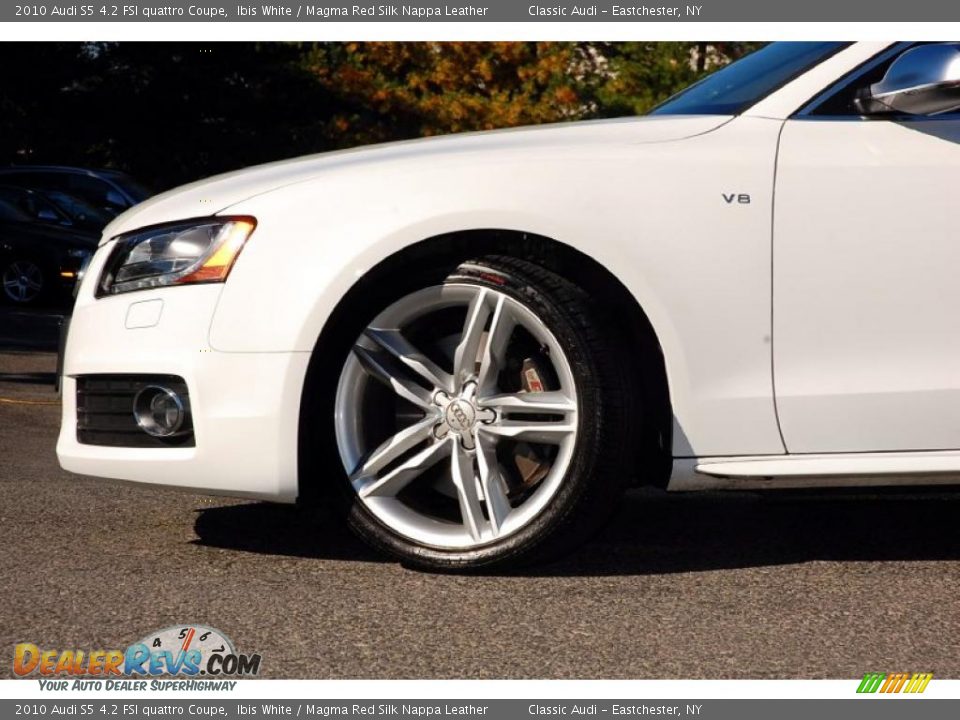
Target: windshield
[
  {"x": 736, "y": 87},
  {"x": 78, "y": 209}
]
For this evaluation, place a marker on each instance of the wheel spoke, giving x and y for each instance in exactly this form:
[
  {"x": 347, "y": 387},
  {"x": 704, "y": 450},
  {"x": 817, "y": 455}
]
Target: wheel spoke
[
  {"x": 550, "y": 402},
  {"x": 401, "y": 476},
  {"x": 494, "y": 491},
  {"x": 465, "y": 480},
  {"x": 15, "y": 290},
  {"x": 374, "y": 363},
  {"x": 495, "y": 350},
  {"x": 468, "y": 350},
  {"x": 399, "y": 347},
  {"x": 394, "y": 447},
  {"x": 549, "y": 432}
]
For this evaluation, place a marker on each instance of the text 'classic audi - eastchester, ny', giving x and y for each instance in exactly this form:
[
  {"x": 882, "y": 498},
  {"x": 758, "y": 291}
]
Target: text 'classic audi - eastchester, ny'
[{"x": 471, "y": 345}]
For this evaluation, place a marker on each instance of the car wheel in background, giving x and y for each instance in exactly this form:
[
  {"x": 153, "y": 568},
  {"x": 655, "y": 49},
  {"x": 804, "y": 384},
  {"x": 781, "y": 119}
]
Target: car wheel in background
[
  {"x": 481, "y": 419},
  {"x": 23, "y": 282}
]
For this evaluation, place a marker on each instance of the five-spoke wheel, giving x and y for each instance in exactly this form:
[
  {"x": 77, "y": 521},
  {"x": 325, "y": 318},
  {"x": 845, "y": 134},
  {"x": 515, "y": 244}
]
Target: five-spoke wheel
[{"x": 23, "y": 282}]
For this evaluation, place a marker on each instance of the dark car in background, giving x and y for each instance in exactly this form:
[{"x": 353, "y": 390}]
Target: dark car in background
[
  {"x": 57, "y": 207},
  {"x": 109, "y": 191},
  {"x": 82, "y": 214},
  {"x": 51, "y": 218},
  {"x": 41, "y": 254}
]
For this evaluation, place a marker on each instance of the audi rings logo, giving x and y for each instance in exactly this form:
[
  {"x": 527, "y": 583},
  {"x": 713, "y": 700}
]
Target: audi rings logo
[{"x": 460, "y": 416}]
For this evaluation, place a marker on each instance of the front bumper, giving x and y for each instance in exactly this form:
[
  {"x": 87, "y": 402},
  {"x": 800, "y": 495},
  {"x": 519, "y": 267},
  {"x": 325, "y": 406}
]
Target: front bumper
[{"x": 244, "y": 406}]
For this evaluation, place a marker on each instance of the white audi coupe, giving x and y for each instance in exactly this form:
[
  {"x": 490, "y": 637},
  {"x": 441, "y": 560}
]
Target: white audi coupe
[{"x": 469, "y": 346}]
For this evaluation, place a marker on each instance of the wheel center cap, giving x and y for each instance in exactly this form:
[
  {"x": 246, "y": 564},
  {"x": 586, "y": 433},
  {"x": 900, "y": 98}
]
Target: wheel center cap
[{"x": 460, "y": 416}]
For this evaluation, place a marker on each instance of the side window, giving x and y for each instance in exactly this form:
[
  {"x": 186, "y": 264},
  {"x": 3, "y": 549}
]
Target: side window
[
  {"x": 841, "y": 101},
  {"x": 46, "y": 211},
  {"x": 96, "y": 191}
]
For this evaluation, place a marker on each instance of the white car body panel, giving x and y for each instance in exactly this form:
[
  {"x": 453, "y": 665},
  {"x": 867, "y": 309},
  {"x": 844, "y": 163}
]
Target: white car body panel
[
  {"x": 719, "y": 369},
  {"x": 867, "y": 353},
  {"x": 246, "y": 441},
  {"x": 720, "y": 242},
  {"x": 212, "y": 195}
]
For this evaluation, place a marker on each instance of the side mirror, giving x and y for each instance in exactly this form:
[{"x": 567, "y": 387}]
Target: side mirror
[{"x": 924, "y": 80}]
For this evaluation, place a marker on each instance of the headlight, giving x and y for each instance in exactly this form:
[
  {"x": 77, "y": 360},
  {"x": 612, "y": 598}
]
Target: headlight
[{"x": 197, "y": 251}]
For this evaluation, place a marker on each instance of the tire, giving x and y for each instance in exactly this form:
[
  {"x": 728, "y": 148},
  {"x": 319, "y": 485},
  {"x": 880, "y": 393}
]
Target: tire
[
  {"x": 24, "y": 282},
  {"x": 530, "y": 445}
]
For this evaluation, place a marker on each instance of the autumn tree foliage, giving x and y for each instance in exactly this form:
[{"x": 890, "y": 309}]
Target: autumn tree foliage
[
  {"x": 390, "y": 89},
  {"x": 173, "y": 112},
  {"x": 428, "y": 88}
]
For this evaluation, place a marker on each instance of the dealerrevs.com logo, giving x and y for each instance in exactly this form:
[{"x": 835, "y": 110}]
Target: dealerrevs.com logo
[{"x": 178, "y": 651}]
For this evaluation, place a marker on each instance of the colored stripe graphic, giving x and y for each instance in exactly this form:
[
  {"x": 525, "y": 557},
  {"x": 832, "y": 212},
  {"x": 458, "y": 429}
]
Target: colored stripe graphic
[
  {"x": 894, "y": 682},
  {"x": 921, "y": 682}
]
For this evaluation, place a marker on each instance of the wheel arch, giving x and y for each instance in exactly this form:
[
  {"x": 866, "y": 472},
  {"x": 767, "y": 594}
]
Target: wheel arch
[{"x": 639, "y": 339}]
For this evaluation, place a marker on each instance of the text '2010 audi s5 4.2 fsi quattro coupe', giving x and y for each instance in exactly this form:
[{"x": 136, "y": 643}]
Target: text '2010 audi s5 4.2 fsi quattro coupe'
[{"x": 471, "y": 345}]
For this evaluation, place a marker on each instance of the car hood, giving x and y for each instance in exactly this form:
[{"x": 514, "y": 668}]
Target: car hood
[{"x": 214, "y": 195}]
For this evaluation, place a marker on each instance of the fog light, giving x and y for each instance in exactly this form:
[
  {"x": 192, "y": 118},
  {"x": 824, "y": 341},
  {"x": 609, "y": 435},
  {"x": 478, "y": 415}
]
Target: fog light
[{"x": 158, "y": 411}]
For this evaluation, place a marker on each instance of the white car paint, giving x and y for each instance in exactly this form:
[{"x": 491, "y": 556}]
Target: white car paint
[
  {"x": 740, "y": 303},
  {"x": 867, "y": 353}
]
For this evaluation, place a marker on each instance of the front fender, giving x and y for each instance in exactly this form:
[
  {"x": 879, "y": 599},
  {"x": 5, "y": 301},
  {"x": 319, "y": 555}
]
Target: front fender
[{"x": 652, "y": 214}]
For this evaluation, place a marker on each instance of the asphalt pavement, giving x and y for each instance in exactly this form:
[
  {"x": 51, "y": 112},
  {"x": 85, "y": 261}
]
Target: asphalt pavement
[{"x": 705, "y": 586}]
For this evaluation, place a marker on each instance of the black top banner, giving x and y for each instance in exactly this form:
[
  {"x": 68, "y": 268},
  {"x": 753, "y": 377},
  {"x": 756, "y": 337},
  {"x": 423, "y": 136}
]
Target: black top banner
[{"x": 489, "y": 11}]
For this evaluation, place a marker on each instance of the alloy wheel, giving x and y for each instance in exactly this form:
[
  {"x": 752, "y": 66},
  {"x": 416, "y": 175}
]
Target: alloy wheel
[
  {"x": 456, "y": 416},
  {"x": 22, "y": 281}
]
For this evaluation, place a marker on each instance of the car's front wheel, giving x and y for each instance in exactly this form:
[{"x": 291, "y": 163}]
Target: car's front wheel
[{"x": 481, "y": 420}]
